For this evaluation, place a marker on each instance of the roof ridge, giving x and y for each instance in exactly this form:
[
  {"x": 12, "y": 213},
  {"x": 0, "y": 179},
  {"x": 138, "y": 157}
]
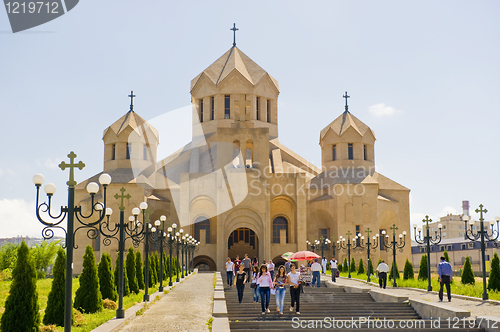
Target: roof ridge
[{"x": 224, "y": 67}]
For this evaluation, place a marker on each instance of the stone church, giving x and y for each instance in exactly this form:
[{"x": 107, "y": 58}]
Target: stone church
[{"x": 236, "y": 188}]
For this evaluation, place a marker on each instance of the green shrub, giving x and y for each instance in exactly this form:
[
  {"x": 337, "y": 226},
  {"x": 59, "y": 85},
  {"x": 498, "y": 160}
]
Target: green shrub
[
  {"x": 346, "y": 265},
  {"x": 54, "y": 313},
  {"x": 138, "y": 269},
  {"x": 88, "y": 296},
  {"x": 370, "y": 266},
  {"x": 340, "y": 268},
  {"x": 353, "y": 265},
  {"x": 467, "y": 273},
  {"x": 21, "y": 307},
  {"x": 422, "y": 269},
  {"x": 126, "y": 287},
  {"x": 408, "y": 272},
  {"x": 43, "y": 255},
  {"x": 494, "y": 278},
  {"x": 361, "y": 268},
  {"x": 130, "y": 269},
  {"x": 394, "y": 265},
  {"x": 165, "y": 267},
  {"x": 157, "y": 266},
  {"x": 446, "y": 256},
  {"x": 109, "y": 304},
  {"x": 107, "y": 283},
  {"x": 8, "y": 256}
]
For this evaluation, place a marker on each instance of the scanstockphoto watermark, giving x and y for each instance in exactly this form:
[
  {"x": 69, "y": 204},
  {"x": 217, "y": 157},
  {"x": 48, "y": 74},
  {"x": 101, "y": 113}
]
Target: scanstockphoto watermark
[{"x": 382, "y": 323}]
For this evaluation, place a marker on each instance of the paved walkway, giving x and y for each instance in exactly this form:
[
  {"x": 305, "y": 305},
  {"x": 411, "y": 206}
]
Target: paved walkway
[
  {"x": 476, "y": 308},
  {"x": 186, "y": 308}
]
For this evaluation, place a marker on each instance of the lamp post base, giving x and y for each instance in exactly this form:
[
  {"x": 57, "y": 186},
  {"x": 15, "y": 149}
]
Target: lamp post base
[
  {"x": 146, "y": 298},
  {"x": 429, "y": 288},
  {"x": 160, "y": 289},
  {"x": 170, "y": 283},
  {"x": 485, "y": 296},
  {"x": 120, "y": 313}
]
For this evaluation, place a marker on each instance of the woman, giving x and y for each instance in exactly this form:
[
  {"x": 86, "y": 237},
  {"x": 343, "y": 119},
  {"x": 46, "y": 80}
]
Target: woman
[
  {"x": 294, "y": 282},
  {"x": 266, "y": 284},
  {"x": 254, "y": 285},
  {"x": 229, "y": 271},
  {"x": 279, "y": 282},
  {"x": 239, "y": 281},
  {"x": 255, "y": 261}
]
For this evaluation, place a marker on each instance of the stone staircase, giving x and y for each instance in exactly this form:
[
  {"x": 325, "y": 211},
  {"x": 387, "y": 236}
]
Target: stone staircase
[{"x": 329, "y": 309}]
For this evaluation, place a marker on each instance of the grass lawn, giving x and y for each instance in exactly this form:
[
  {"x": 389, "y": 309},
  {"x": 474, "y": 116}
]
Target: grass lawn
[
  {"x": 475, "y": 290},
  {"x": 86, "y": 322}
]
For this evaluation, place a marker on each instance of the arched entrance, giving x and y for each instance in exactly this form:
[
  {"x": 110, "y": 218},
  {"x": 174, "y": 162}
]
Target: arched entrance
[
  {"x": 204, "y": 263},
  {"x": 243, "y": 241}
]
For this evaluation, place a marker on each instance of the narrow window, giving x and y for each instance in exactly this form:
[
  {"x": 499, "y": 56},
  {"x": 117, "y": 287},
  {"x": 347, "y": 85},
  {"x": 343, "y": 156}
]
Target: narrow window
[
  {"x": 227, "y": 107},
  {"x": 257, "y": 107},
  {"x": 129, "y": 150},
  {"x": 213, "y": 109},
  {"x": 350, "y": 151},
  {"x": 145, "y": 152},
  {"x": 201, "y": 110},
  {"x": 334, "y": 152},
  {"x": 113, "y": 152},
  {"x": 268, "y": 111},
  {"x": 364, "y": 152}
]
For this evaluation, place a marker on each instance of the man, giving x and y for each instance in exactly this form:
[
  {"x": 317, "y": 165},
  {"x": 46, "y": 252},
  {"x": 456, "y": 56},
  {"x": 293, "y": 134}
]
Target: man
[
  {"x": 270, "y": 268},
  {"x": 333, "y": 268},
  {"x": 323, "y": 263},
  {"x": 316, "y": 270},
  {"x": 247, "y": 263},
  {"x": 445, "y": 273},
  {"x": 237, "y": 263},
  {"x": 287, "y": 267},
  {"x": 382, "y": 270}
]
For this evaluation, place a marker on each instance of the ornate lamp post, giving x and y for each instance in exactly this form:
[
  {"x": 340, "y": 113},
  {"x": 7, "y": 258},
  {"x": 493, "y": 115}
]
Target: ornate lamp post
[
  {"x": 483, "y": 235},
  {"x": 312, "y": 246},
  {"x": 342, "y": 244},
  {"x": 369, "y": 245},
  {"x": 171, "y": 240},
  {"x": 395, "y": 245},
  {"x": 183, "y": 251},
  {"x": 177, "y": 245},
  {"x": 427, "y": 240},
  {"x": 325, "y": 245},
  {"x": 161, "y": 237},
  {"x": 69, "y": 213}
]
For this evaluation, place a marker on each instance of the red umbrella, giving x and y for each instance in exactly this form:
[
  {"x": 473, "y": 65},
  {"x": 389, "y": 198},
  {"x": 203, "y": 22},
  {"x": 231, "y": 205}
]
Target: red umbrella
[{"x": 304, "y": 256}]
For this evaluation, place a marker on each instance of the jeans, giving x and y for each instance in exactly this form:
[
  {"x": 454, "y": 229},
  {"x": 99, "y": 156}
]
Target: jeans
[
  {"x": 256, "y": 292},
  {"x": 446, "y": 281},
  {"x": 295, "y": 295},
  {"x": 382, "y": 279},
  {"x": 229, "y": 278},
  {"x": 316, "y": 277},
  {"x": 240, "y": 289},
  {"x": 272, "y": 274},
  {"x": 247, "y": 271},
  {"x": 334, "y": 274},
  {"x": 280, "y": 297},
  {"x": 265, "y": 293}
]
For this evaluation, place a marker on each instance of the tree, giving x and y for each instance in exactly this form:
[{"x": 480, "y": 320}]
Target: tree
[
  {"x": 394, "y": 265},
  {"x": 165, "y": 267},
  {"x": 446, "y": 256},
  {"x": 353, "y": 265},
  {"x": 422, "y": 269},
  {"x": 361, "y": 268},
  {"x": 152, "y": 271},
  {"x": 467, "y": 273},
  {"x": 157, "y": 266},
  {"x": 494, "y": 278},
  {"x": 346, "y": 265},
  {"x": 138, "y": 269},
  {"x": 88, "y": 298},
  {"x": 126, "y": 287},
  {"x": 54, "y": 313},
  {"x": 370, "y": 266},
  {"x": 8, "y": 256},
  {"x": 131, "y": 275},
  {"x": 408, "y": 272},
  {"x": 106, "y": 278},
  {"x": 340, "y": 268},
  {"x": 44, "y": 254},
  {"x": 21, "y": 307}
]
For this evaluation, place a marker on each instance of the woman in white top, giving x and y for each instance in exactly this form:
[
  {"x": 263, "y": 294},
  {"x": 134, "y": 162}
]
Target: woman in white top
[
  {"x": 229, "y": 271},
  {"x": 266, "y": 284},
  {"x": 294, "y": 282}
]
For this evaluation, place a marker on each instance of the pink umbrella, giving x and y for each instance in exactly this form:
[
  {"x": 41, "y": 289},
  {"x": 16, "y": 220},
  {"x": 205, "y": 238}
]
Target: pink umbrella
[{"x": 304, "y": 256}]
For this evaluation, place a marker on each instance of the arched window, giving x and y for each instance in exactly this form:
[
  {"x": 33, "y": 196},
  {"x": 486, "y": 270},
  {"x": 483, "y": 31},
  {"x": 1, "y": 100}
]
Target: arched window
[
  {"x": 202, "y": 223},
  {"x": 249, "y": 154},
  {"x": 279, "y": 223},
  {"x": 236, "y": 154}
]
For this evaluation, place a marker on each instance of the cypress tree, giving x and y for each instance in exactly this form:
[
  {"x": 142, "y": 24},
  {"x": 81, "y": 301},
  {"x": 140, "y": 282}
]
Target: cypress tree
[
  {"x": 394, "y": 265},
  {"x": 446, "y": 256},
  {"x": 152, "y": 271},
  {"x": 346, "y": 265},
  {"x": 106, "y": 278},
  {"x": 467, "y": 273},
  {"x": 126, "y": 287},
  {"x": 494, "y": 278},
  {"x": 353, "y": 265},
  {"x": 340, "y": 267},
  {"x": 21, "y": 307},
  {"x": 370, "y": 266},
  {"x": 138, "y": 269},
  {"x": 165, "y": 267},
  {"x": 130, "y": 269},
  {"x": 408, "y": 271},
  {"x": 88, "y": 296},
  {"x": 361, "y": 268},
  {"x": 422, "y": 269},
  {"x": 54, "y": 313},
  {"x": 157, "y": 266}
]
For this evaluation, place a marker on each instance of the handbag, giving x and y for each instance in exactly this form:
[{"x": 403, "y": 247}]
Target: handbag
[
  {"x": 273, "y": 291},
  {"x": 253, "y": 285},
  {"x": 337, "y": 274}
]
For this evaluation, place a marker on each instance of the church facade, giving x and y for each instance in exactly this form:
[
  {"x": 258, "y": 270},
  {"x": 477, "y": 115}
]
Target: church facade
[{"x": 237, "y": 189}]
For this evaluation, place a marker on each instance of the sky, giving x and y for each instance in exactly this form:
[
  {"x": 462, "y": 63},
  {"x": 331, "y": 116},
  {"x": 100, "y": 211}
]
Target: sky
[{"x": 424, "y": 75}]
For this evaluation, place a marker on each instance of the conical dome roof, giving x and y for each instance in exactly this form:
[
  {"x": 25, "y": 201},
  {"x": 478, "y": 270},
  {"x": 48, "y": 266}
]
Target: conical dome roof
[
  {"x": 343, "y": 122},
  {"x": 132, "y": 120}
]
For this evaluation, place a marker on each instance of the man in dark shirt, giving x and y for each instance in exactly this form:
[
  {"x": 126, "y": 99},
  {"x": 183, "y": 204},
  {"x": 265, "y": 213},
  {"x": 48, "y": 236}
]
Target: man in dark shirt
[
  {"x": 247, "y": 263},
  {"x": 445, "y": 275},
  {"x": 237, "y": 263}
]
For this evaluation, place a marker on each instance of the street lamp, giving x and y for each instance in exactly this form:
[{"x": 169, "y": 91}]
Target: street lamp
[
  {"x": 181, "y": 244},
  {"x": 311, "y": 246},
  {"x": 395, "y": 245},
  {"x": 482, "y": 234},
  {"x": 171, "y": 239},
  {"x": 342, "y": 244},
  {"x": 160, "y": 238},
  {"x": 69, "y": 213},
  {"x": 369, "y": 245},
  {"x": 428, "y": 239},
  {"x": 325, "y": 245},
  {"x": 177, "y": 245}
]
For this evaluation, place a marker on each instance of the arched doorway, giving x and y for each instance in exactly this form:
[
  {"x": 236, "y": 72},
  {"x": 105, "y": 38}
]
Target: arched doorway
[
  {"x": 204, "y": 263},
  {"x": 243, "y": 241}
]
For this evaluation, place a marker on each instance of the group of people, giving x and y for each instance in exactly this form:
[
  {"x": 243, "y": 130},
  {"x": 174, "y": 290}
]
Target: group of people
[{"x": 263, "y": 280}]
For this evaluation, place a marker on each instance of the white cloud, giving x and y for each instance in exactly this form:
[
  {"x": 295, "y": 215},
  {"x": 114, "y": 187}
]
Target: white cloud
[
  {"x": 50, "y": 163},
  {"x": 447, "y": 210},
  {"x": 383, "y": 110},
  {"x": 17, "y": 217}
]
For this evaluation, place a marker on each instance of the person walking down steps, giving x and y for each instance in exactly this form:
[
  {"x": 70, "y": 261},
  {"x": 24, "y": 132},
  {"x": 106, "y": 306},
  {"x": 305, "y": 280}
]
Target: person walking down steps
[
  {"x": 239, "y": 281},
  {"x": 279, "y": 283},
  {"x": 266, "y": 284},
  {"x": 229, "y": 272},
  {"x": 294, "y": 282}
]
